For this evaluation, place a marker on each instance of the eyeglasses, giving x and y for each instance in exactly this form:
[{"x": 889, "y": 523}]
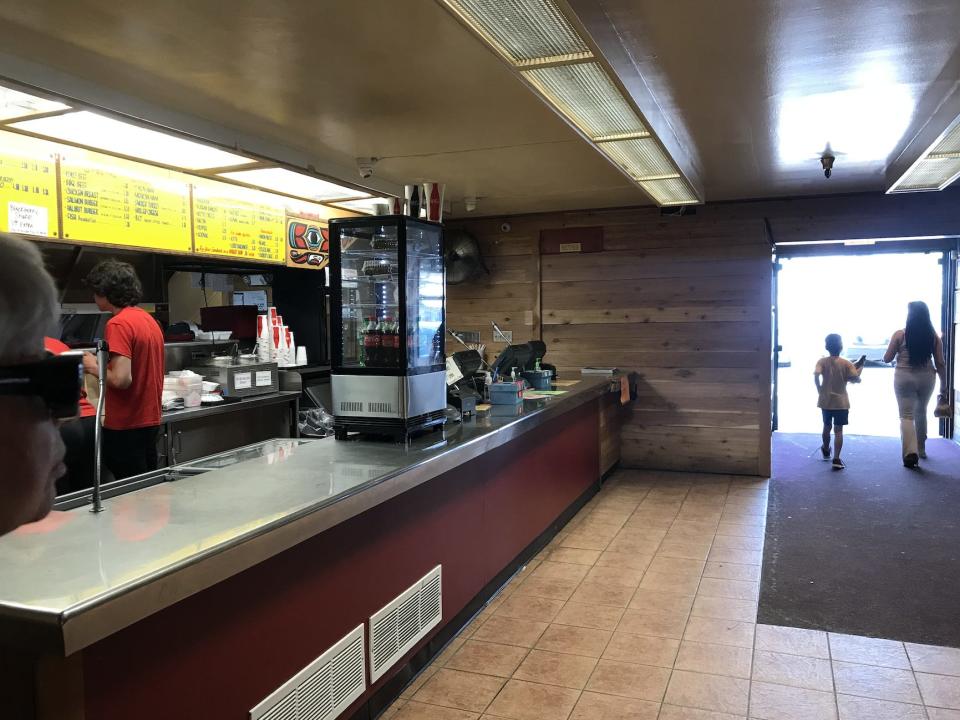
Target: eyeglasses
[{"x": 58, "y": 381}]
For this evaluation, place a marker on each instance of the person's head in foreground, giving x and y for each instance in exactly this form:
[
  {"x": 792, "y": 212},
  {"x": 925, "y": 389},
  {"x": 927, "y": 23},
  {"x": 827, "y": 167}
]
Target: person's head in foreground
[
  {"x": 31, "y": 452},
  {"x": 834, "y": 344}
]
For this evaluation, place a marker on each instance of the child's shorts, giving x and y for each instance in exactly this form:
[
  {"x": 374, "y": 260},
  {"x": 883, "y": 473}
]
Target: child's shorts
[{"x": 837, "y": 418}]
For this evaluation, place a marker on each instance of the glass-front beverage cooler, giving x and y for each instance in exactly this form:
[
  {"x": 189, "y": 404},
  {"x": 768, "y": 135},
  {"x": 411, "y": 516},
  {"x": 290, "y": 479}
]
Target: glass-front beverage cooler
[{"x": 387, "y": 325}]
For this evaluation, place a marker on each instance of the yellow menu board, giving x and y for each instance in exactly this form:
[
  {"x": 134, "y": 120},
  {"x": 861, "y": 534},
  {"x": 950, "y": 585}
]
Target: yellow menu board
[
  {"x": 117, "y": 202},
  {"x": 28, "y": 187},
  {"x": 231, "y": 221}
]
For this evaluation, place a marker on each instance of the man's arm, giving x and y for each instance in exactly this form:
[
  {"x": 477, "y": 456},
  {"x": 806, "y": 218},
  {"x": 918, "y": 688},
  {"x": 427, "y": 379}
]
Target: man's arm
[{"x": 119, "y": 372}]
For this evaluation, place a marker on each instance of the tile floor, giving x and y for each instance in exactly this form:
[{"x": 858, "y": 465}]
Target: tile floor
[{"x": 644, "y": 608}]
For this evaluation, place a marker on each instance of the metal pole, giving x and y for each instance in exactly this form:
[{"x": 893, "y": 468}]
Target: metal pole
[{"x": 103, "y": 357}]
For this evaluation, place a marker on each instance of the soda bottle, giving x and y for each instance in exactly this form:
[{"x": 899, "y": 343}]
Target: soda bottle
[{"x": 371, "y": 342}]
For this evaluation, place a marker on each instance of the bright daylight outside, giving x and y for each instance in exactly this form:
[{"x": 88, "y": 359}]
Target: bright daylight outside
[{"x": 864, "y": 298}]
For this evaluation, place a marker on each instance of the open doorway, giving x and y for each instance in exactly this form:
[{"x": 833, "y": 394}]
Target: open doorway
[{"x": 864, "y": 298}]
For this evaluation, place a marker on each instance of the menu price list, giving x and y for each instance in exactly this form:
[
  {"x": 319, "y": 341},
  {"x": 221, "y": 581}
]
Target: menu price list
[
  {"x": 104, "y": 206},
  {"x": 236, "y": 228},
  {"x": 28, "y": 195}
]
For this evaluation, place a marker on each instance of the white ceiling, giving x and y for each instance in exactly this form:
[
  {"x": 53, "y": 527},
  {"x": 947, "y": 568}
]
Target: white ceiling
[{"x": 753, "y": 88}]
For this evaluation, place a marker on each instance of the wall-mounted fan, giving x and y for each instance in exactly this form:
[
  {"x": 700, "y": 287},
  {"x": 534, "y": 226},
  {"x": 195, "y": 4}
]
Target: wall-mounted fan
[{"x": 462, "y": 257}]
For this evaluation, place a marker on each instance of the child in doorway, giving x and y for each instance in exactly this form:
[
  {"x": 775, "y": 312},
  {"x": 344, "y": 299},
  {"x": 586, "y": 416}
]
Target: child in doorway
[{"x": 831, "y": 376}]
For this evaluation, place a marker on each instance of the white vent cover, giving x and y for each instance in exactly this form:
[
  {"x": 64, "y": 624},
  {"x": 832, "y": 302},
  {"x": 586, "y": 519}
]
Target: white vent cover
[
  {"x": 402, "y": 622},
  {"x": 323, "y": 689}
]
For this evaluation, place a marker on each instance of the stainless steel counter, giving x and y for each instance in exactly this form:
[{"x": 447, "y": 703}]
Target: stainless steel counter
[
  {"x": 224, "y": 407},
  {"x": 76, "y": 577}
]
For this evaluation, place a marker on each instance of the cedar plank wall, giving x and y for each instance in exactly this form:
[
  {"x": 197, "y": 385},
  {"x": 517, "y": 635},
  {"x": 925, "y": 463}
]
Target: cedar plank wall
[
  {"x": 701, "y": 281},
  {"x": 681, "y": 302}
]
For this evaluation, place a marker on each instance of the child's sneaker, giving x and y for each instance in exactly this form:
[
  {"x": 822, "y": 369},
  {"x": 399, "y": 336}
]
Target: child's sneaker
[
  {"x": 838, "y": 464},
  {"x": 825, "y": 451}
]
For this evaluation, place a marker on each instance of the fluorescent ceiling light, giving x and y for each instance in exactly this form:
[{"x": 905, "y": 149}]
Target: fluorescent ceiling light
[
  {"x": 294, "y": 183},
  {"x": 936, "y": 168},
  {"x": 522, "y": 31},
  {"x": 367, "y": 206},
  {"x": 16, "y": 104},
  {"x": 123, "y": 138},
  {"x": 584, "y": 93},
  {"x": 545, "y": 49}
]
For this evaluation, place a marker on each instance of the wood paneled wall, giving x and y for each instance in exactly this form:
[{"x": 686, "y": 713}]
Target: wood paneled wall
[{"x": 682, "y": 302}]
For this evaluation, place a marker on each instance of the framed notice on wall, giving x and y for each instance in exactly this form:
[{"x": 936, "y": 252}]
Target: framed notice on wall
[
  {"x": 28, "y": 187},
  {"x": 231, "y": 221},
  {"x": 117, "y": 202}
]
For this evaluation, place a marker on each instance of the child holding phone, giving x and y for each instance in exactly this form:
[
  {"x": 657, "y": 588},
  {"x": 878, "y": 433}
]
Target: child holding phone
[{"x": 831, "y": 376}]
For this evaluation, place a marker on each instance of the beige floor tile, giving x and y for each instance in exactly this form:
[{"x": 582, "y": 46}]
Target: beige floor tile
[
  {"x": 793, "y": 670},
  {"x": 736, "y": 589},
  {"x": 674, "y": 712},
  {"x": 731, "y": 542},
  {"x": 708, "y": 692},
  {"x": 699, "y": 514},
  {"x": 742, "y": 518},
  {"x": 529, "y": 607},
  {"x": 877, "y": 682},
  {"x": 421, "y": 711},
  {"x": 655, "y": 601},
  {"x": 602, "y": 617},
  {"x": 594, "y": 593},
  {"x": 449, "y": 651},
  {"x": 676, "y": 566},
  {"x": 521, "y": 700},
  {"x": 615, "y": 576},
  {"x": 576, "y": 556},
  {"x": 721, "y": 632},
  {"x": 795, "y": 641},
  {"x": 934, "y": 659},
  {"x": 461, "y": 690},
  {"x": 669, "y": 625},
  {"x": 858, "y": 708},
  {"x": 740, "y": 530},
  {"x": 643, "y": 682},
  {"x": 714, "y": 659},
  {"x": 548, "y": 587},
  {"x": 732, "y": 571},
  {"x": 559, "y": 571},
  {"x": 633, "y": 546},
  {"x": 642, "y": 649},
  {"x": 645, "y": 519},
  {"x": 744, "y": 557},
  {"x": 694, "y": 528},
  {"x": 551, "y": 668},
  {"x": 642, "y": 534},
  {"x": 487, "y": 658},
  {"x": 942, "y": 714},
  {"x": 670, "y": 583},
  {"x": 939, "y": 690},
  {"x": 510, "y": 631},
  {"x": 868, "y": 651},
  {"x": 413, "y": 687},
  {"x": 725, "y": 608},
  {"x": 594, "y": 706},
  {"x": 574, "y": 640},
  {"x": 394, "y": 708},
  {"x": 687, "y": 550},
  {"x": 631, "y": 561},
  {"x": 780, "y": 702},
  {"x": 584, "y": 541}
]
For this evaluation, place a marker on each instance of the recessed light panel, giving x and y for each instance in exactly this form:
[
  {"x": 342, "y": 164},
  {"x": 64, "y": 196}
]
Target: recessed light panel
[
  {"x": 123, "y": 138},
  {"x": 670, "y": 192},
  {"x": 16, "y": 104},
  {"x": 642, "y": 158},
  {"x": 522, "y": 30},
  {"x": 935, "y": 170},
  {"x": 367, "y": 206},
  {"x": 584, "y": 93},
  {"x": 294, "y": 183}
]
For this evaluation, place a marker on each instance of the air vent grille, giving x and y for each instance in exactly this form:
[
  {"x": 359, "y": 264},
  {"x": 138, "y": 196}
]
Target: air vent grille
[
  {"x": 379, "y": 407},
  {"x": 351, "y": 406},
  {"x": 405, "y": 620},
  {"x": 323, "y": 689}
]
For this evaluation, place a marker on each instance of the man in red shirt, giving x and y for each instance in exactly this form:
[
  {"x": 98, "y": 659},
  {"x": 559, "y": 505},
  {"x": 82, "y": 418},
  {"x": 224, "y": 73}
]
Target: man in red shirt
[
  {"x": 77, "y": 435},
  {"x": 135, "y": 373}
]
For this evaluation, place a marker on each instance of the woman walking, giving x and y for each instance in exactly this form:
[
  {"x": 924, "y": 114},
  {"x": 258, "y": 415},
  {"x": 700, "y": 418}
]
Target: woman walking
[{"x": 919, "y": 353}]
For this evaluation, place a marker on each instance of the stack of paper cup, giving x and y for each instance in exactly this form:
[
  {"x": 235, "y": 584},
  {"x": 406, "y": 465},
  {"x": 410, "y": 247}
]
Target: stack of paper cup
[
  {"x": 275, "y": 344},
  {"x": 289, "y": 352},
  {"x": 263, "y": 338},
  {"x": 302, "y": 355}
]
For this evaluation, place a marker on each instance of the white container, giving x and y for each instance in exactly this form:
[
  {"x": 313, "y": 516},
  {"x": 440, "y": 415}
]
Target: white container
[{"x": 190, "y": 388}]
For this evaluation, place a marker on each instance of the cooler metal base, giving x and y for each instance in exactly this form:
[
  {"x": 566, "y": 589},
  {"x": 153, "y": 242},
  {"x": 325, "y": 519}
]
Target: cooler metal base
[{"x": 398, "y": 406}]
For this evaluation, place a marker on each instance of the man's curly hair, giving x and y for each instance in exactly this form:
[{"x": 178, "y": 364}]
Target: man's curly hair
[{"x": 117, "y": 282}]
